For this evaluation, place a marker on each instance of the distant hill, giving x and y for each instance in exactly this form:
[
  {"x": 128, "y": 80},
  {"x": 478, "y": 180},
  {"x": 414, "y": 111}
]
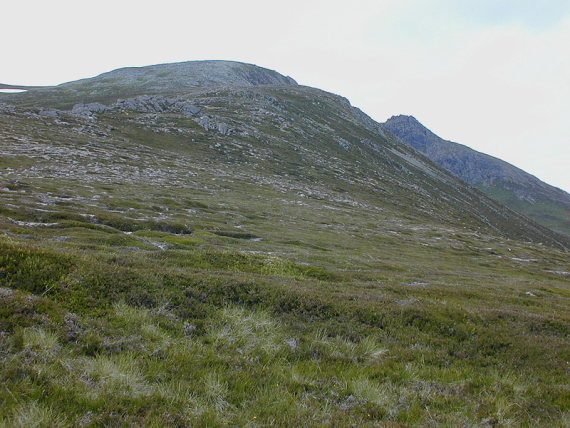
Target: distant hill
[
  {"x": 164, "y": 79},
  {"x": 498, "y": 179}
]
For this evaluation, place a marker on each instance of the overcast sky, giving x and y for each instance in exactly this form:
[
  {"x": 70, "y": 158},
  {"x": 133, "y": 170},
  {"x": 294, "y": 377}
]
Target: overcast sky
[{"x": 491, "y": 74}]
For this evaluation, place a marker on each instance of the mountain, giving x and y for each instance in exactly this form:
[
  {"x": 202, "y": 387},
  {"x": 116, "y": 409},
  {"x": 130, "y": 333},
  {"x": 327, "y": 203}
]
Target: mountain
[
  {"x": 156, "y": 79},
  {"x": 498, "y": 179},
  {"x": 227, "y": 248},
  {"x": 253, "y": 111}
]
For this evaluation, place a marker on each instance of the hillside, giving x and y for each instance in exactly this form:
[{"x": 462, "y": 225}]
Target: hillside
[
  {"x": 156, "y": 79},
  {"x": 498, "y": 179},
  {"x": 245, "y": 251}
]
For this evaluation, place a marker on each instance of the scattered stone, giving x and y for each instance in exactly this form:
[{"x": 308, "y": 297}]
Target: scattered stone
[
  {"x": 349, "y": 402},
  {"x": 342, "y": 143},
  {"x": 6, "y": 107},
  {"x": 6, "y": 292},
  {"x": 488, "y": 423},
  {"x": 559, "y": 272},
  {"x": 73, "y": 324},
  {"x": 189, "y": 329},
  {"x": 518, "y": 259},
  {"x": 292, "y": 343},
  {"x": 418, "y": 284},
  {"x": 49, "y": 113},
  {"x": 86, "y": 419},
  {"x": 530, "y": 293},
  {"x": 31, "y": 224},
  {"x": 406, "y": 302}
]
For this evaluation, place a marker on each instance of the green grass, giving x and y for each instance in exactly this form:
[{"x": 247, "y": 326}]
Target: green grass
[
  {"x": 233, "y": 346},
  {"x": 189, "y": 284},
  {"x": 555, "y": 217}
]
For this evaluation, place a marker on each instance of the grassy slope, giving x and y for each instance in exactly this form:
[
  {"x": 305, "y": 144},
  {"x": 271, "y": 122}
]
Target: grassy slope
[
  {"x": 546, "y": 213},
  {"x": 136, "y": 291}
]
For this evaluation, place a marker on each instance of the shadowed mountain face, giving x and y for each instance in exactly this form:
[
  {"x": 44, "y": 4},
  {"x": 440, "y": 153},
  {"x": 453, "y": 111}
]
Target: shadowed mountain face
[{"x": 500, "y": 180}]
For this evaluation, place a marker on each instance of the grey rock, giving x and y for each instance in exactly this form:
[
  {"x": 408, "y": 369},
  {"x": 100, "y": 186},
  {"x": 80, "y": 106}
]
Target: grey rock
[
  {"x": 342, "y": 142},
  {"x": 189, "y": 110},
  {"x": 89, "y": 109},
  {"x": 209, "y": 123},
  {"x": 157, "y": 104},
  {"x": 292, "y": 343},
  {"x": 223, "y": 128},
  {"x": 73, "y": 325},
  {"x": 5, "y": 108},
  {"x": 49, "y": 113},
  {"x": 86, "y": 419},
  {"x": 206, "y": 123},
  {"x": 189, "y": 329},
  {"x": 6, "y": 292}
]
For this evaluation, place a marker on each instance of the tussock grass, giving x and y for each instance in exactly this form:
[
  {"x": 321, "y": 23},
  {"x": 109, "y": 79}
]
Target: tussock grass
[
  {"x": 237, "y": 355},
  {"x": 34, "y": 415},
  {"x": 246, "y": 331},
  {"x": 361, "y": 314},
  {"x": 366, "y": 349},
  {"x": 39, "y": 339},
  {"x": 374, "y": 392},
  {"x": 118, "y": 375}
]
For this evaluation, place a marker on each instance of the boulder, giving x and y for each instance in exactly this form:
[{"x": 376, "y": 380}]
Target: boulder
[
  {"x": 49, "y": 113},
  {"x": 89, "y": 110},
  {"x": 189, "y": 110},
  {"x": 210, "y": 123}
]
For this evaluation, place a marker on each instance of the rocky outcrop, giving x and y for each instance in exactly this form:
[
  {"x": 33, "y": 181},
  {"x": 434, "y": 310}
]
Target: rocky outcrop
[
  {"x": 188, "y": 109},
  {"x": 157, "y": 104},
  {"x": 88, "y": 110},
  {"x": 49, "y": 113},
  {"x": 146, "y": 104},
  {"x": 210, "y": 123},
  {"x": 4, "y": 108},
  {"x": 141, "y": 104}
]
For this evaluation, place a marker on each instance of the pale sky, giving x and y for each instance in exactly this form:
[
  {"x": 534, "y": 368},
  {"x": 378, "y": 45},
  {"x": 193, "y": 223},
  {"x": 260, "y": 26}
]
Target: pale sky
[{"x": 491, "y": 74}]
